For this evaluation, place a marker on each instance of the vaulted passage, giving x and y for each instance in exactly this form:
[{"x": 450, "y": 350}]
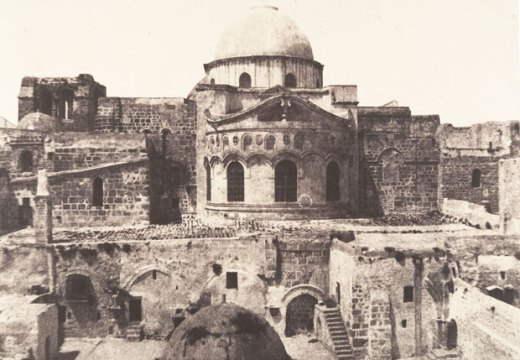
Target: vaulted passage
[{"x": 300, "y": 315}]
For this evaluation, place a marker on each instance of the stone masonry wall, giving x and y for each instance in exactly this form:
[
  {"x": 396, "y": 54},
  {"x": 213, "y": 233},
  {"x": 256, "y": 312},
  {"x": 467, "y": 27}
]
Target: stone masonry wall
[
  {"x": 125, "y": 197},
  {"x": 188, "y": 266},
  {"x": 456, "y": 174},
  {"x": 398, "y": 161}
]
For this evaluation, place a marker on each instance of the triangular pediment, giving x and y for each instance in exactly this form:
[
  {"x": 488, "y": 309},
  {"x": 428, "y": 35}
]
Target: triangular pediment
[{"x": 281, "y": 107}]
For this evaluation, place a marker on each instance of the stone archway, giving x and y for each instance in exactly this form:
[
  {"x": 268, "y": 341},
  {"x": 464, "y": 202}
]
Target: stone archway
[
  {"x": 299, "y": 303},
  {"x": 300, "y": 315}
]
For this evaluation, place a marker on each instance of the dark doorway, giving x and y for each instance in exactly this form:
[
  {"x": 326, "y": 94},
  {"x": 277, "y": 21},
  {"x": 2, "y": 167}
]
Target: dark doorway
[
  {"x": 134, "y": 310},
  {"x": 300, "y": 315},
  {"x": 25, "y": 213},
  {"x": 452, "y": 334}
]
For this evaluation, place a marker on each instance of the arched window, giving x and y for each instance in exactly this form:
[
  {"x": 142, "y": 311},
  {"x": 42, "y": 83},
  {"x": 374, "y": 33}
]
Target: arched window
[
  {"x": 299, "y": 139},
  {"x": 212, "y": 81},
  {"x": 248, "y": 141},
  {"x": 208, "y": 182},
  {"x": 26, "y": 161},
  {"x": 79, "y": 288},
  {"x": 244, "y": 81},
  {"x": 269, "y": 142},
  {"x": 235, "y": 182},
  {"x": 475, "y": 178},
  {"x": 332, "y": 193},
  {"x": 285, "y": 180},
  {"x": 45, "y": 102},
  {"x": 67, "y": 101},
  {"x": 146, "y": 131},
  {"x": 225, "y": 141},
  {"x": 97, "y": 192},
  {"x": 290, "y": 81}
]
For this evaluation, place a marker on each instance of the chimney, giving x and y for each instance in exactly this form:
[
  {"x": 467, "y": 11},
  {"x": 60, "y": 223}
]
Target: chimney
[{"x": 43, "y": 214}]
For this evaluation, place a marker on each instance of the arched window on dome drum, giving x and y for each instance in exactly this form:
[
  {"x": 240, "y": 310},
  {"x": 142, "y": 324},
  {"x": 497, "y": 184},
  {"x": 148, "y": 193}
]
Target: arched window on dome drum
[
  {"x": 212, "y": 81},
  {"x": 26, "y": 161},
  {"x": 225, "y": 141},
  {"x": 248, "y": 141},
  {"x": 290, "y": 81},
  {"x": 208, "y": 182},
  {"x": 285, "y": 180},
  {"x": 235, "y": 182},
  {"x": 269, "y": 142},
  {"x": 332, "y": 193},
  {"x": 244, "y": 81},
  {"x": 475, "y": 178},
  {"x": 97, "y": 192}
]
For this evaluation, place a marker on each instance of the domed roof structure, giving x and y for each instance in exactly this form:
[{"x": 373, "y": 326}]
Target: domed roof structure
[
  {"x": 225, "y": 332},
  {"x": 263, "y": 31},
  {"x": 38, "y": 121}
]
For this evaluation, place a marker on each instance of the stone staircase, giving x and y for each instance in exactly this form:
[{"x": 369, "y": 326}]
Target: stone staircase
[
  {"x": 338, "y": 333},
  {"x": 134, "y": 332}
]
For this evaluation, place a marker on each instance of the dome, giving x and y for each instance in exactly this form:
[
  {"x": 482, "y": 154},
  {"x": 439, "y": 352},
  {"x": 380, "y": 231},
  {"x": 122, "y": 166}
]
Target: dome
[
  {"x": 263, "y": 31},
  {"x": 38, "y": 121},
  {"x": 225, "y": 332}
]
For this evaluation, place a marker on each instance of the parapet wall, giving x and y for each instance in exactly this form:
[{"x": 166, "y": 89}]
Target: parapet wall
[
  {"x": 487, "y": 328},
  {"x": 509, "y": 194}
]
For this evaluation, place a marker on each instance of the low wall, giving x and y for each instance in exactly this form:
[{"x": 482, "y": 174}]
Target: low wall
[{"x": 474, "y": 213}]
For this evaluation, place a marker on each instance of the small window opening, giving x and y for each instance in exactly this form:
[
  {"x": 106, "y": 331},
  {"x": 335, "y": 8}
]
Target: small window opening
[
  {"x": 154, "y": 274},
  {"x": 26, "y": 161},
  {"x": 290, "y": 81},
  {"x": 503, "y": 275},
  {"x": 408, "y": 294},
  {"x": 225, "y": 141},
  {"x": 286, "y": 139},
  {"x": 231, "y": 280},
  {"x": 475, "y": 178},
  {"x": 269, "y": 142},
  {"x": 212, "y": 81},
  {"x": 235, "y": 140},
  {"x": 97, "y": 192},
  {"x": 244, "y": 81},
  {"x": 248, "y": 141},
  {"x": 404, "y": 323}
]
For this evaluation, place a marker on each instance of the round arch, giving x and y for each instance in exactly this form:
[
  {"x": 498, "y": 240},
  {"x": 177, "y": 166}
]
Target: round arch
[
  {"x": 302, "y": 289},
  {"x": 127, "y": 284}
]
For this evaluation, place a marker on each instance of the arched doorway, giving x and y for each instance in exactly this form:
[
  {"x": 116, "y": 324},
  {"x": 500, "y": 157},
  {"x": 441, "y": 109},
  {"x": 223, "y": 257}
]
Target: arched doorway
[
  {"x": 452, "y": 334},
  {"x": 300, "y": 315}
]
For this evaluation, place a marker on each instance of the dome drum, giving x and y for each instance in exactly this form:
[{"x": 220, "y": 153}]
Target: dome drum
[{"x": 267, "y": 71}]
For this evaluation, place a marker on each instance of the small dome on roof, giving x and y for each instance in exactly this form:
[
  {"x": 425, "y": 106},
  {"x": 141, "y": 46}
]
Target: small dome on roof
[
  {"x": 225, "y": 332},
  {"x": 38, "y": 121},
  {"x": 263, "y": 31}
]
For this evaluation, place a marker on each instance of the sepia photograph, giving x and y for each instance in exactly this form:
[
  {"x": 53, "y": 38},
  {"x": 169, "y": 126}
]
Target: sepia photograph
[{"x": 260, "y": 180}]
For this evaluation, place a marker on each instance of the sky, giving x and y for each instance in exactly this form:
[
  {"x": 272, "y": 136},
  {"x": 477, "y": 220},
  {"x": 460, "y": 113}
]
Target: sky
[{"x": 455, "y": 58}]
